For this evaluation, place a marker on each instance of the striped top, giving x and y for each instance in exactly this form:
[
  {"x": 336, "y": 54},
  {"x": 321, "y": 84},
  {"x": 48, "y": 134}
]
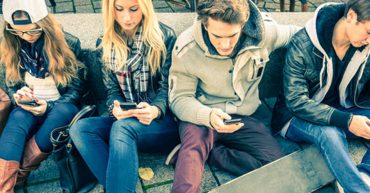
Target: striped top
[{"x": 43, "y": 89}]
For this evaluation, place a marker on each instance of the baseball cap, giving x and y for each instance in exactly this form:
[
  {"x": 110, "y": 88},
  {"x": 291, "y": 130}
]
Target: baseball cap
[{"x": 36, "y": 10}]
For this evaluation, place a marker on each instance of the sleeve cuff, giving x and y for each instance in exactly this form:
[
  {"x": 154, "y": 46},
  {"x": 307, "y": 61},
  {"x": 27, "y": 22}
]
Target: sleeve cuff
[
  {"x": 110, "y": 110},
  {"x": 203, "y": 116},
  {"x": 161, "y": 108},
  {"x": 341, "y": 119},
  {"x": 160, "y": 112}
]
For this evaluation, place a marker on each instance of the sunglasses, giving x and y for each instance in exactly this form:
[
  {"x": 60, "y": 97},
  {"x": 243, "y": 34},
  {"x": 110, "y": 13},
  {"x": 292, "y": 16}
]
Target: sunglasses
[{"x": 32, "y": 32}]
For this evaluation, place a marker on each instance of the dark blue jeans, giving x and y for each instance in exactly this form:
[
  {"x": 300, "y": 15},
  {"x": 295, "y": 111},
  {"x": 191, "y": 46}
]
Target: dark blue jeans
[
  {"x": 333, "y": 145},
  {"x": 22, "y": 125},
  {"x": 110, "y": 147}
]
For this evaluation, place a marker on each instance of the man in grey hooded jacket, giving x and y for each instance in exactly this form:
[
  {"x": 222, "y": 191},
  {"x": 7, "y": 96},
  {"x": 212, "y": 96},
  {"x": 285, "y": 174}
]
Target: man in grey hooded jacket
[
  {"x": 217, "y": 65},
  {"x": 326, "y": 88}
]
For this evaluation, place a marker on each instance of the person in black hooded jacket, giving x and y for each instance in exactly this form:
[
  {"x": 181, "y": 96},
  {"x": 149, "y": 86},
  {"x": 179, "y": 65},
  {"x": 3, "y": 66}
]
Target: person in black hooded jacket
[{"x": 326, "y": 88}]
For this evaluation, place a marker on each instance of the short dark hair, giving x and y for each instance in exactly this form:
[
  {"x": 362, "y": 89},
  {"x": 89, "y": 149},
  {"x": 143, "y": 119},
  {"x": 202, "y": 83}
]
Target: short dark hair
[
  {"x": 228, "y": 11},
  {"x": 361, "y": 8}
]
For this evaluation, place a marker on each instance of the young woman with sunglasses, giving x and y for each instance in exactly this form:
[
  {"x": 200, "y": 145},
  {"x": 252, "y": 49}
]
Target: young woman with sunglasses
[{"x": 42, "y": 75}]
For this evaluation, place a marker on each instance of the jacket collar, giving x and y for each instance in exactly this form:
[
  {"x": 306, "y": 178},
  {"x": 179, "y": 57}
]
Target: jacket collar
[
  {"x": 320, "y": 28},
  {"x": 322, "y": 23}
]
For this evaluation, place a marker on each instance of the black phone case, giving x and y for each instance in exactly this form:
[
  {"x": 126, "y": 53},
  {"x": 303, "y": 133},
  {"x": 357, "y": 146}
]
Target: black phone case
[
  {"x": 232, "y": 121},
  {"x": 28, "y": 102},
  {"x": 128, "y": 106}
]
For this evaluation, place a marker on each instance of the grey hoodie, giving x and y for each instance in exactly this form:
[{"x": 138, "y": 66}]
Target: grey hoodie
[{"x": 200, "y": 81}]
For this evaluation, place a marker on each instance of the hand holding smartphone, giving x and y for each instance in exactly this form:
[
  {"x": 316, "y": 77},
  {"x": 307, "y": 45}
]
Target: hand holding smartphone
[
  {"x": 232, "y": 121},
  {"x": 31, "y": 102}
]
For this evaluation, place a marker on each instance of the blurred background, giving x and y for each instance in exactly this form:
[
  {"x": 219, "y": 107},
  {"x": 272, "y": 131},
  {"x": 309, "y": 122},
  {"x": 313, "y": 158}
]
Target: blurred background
[{"x": 93, "y": 6}]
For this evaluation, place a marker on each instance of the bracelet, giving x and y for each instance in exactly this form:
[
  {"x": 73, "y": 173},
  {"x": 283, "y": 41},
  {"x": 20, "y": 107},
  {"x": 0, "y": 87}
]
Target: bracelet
[{"x": 110, "y": 110}]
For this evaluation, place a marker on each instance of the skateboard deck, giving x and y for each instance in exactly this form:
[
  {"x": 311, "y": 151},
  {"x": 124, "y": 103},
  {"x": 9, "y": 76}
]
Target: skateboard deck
[{"x": 300, "y": 172}]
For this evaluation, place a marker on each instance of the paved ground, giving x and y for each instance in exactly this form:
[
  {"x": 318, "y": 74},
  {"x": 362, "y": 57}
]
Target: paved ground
[
  {"x": 45, "y": 179},
  {"x": 93, "y": 6}
]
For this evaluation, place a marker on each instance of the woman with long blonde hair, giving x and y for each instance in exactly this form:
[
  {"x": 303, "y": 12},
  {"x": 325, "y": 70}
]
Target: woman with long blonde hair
[
  {"x": 43, "y": 84},
  {"x": 136, "y": 54}
]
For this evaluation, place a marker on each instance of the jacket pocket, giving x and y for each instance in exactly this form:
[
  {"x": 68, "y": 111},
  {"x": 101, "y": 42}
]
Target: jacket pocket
[{"x": 256, "y": 67}]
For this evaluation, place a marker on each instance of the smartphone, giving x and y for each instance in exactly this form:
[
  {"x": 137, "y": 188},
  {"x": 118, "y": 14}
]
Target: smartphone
[
  {"x": 232, "y": 121},
  {"x": 31, "y": 102},
  {"x": 128, "y": 106}
]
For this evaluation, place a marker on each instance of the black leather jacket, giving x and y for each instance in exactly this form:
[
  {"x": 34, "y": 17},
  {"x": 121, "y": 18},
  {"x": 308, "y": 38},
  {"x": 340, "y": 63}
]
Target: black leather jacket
[
  {"x": 158, "y": 83},
  {"x": 304, "y": 62},
  {"x": 70, "y": 93}
]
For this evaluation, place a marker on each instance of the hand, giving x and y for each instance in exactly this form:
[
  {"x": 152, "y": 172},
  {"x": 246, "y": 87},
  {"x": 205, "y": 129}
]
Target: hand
[
  {"x": 146, "y": 113},
  {"x": 24, "y": 93},
  {"x": 359, "y": 126},
  {"x": 217, "y": 118},
  {"x": 118, "y": 113},
  {"x": 37, "y": 111}
]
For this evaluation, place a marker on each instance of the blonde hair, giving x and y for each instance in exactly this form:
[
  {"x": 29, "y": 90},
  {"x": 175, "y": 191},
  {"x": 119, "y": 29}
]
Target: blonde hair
[
  {"x": 152, "y": 37},
  {"x": 62, "y": 61}
]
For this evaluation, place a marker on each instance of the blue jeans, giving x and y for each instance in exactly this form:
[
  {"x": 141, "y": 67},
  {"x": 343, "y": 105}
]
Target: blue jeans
[
  {"x": 22, "y": 125},
  {"x": 110, "y": 147},
  {"x": 333, "y": 145}
]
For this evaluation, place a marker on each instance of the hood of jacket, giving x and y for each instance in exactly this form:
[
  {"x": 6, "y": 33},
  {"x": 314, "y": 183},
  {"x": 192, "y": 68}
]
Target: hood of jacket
[
  {"x": 253, "y": 30},
  {"x": 321, "y": 26}
]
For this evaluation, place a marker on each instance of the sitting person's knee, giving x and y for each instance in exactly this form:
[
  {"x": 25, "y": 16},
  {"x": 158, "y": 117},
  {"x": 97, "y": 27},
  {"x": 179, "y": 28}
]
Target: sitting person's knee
[
  {"x": 79, "y": 129},
  {"x": 123, "y": 129},
  {"x": 331, "y": 135}
]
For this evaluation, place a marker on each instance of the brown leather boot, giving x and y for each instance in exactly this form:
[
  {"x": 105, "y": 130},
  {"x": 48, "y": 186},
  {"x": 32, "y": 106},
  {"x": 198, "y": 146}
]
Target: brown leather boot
[
  {"x": 32, "y": 158},
  {"x": 8, "y": 175}
]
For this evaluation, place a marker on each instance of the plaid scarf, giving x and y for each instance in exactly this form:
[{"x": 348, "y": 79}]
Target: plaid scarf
[
  {"x": 33, "y": 59},
  {"x": 133, "y": 78}
]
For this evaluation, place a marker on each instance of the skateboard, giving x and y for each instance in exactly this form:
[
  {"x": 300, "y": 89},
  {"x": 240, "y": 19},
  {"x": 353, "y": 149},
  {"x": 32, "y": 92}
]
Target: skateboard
[{"x": 300, "y": 172}]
